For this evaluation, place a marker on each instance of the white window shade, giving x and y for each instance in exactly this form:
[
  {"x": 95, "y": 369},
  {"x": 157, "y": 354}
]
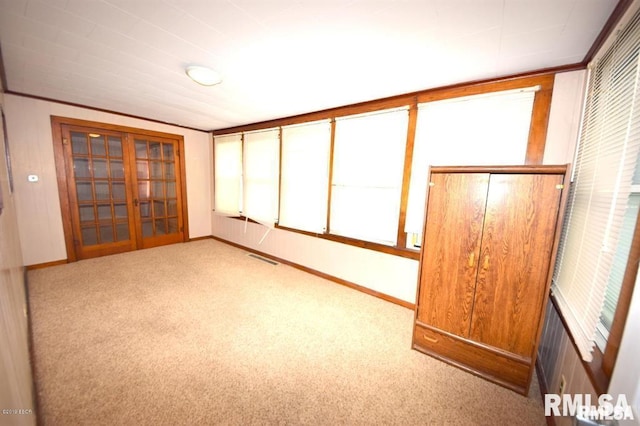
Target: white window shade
[
  {"x": 305, "y": 176},
  {"x": 260, "y": 176},
  {"x": 368, "y": 164},
  {"x": 228, "y": 174},
  {"x": 602, "y": 185},
  {"x": 488, "y": 129},
  {"x": 618, "y": 269}
]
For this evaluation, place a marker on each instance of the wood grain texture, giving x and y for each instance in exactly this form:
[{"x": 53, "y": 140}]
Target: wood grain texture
[
  {"x": 170, "y": 237},
  {"x": 492, "y": 365},
  {"x": 63, "y": 193},
  {"x": 481, "y": 308},
  {"x": 539, "y": 124},
  {"x": 527, "y": 170},
  {"x": 451, "y": 246},
  {"x": 46, "y": 264},
  {"x": 401, "y": 238},
  {"x": 517, "y": 242},
  {"x": 332, "y": 144},
  {"x": 88, "y": 251},
  {"x": 62, "y": 128},
  {"x": 543, "y": 78}
]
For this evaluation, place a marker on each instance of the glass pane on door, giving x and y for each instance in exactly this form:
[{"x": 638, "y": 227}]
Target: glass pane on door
[
  {"x": 124, "y": 189},
  {"x": 100, "y": 188},
  {"x": 89, "y": 236},
  {"x": 155, "y": 169}
]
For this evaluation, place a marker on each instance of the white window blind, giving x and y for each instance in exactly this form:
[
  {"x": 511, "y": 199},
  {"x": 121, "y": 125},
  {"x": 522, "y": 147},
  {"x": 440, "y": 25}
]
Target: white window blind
[
  {"x": 228, "y": 174},
  {"x": 602, "y": 184},
  {"x": 368, "y": 162},
  {"x": 305, "y": 176},
  {"x": 488, "y": 129},
  {"x": 618, "y": 269},
  {"x": 260, "y": 176}
]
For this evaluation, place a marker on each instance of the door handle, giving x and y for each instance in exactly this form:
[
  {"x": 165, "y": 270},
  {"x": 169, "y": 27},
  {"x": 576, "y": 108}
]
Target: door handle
[
  {"x": 486, "y": 262},
  {"x": 135, "y": 202},
  {"x": 430, "y": 339},
  {"x": 471, "y": 259}
]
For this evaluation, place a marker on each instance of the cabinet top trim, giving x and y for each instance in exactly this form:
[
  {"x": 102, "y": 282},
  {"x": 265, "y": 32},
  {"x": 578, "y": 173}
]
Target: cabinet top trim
[{"x": 538, "y": 169}]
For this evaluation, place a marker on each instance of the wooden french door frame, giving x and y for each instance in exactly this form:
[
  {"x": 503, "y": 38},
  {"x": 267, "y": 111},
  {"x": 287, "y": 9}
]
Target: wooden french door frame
[
  {"x": 100, "y": 199},
  {"x": 67, "y": 205},
  {"x": 154, "y": 162}
]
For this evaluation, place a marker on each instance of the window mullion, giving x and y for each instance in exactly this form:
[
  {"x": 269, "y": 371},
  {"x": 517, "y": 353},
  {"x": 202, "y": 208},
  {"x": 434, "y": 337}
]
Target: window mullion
[
  {"x": 330, "y": 180},
  {"x": 406, "y": 177}
]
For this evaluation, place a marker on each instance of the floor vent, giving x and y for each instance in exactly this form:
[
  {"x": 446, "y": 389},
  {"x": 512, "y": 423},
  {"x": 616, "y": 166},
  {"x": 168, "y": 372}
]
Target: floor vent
[{"x": 264, "y": 259}]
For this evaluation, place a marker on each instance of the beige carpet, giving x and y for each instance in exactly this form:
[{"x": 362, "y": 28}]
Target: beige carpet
[{"x": 200, "y": 333}]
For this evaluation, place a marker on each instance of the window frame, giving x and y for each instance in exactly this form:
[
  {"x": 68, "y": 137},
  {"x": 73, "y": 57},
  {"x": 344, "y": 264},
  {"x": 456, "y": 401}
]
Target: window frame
[
  {"x": 249, "y": 180},
  {"x": 478, "y": 142},
  {"x": 322, "y": 137},
  {"x": 600, "y": 369},
  {"x": 534, "y": 153},
  {"x": 217, "y": 157},
  {"x": 602, "y": 333},
  {"x": 624, "y": 302},
  {"x": 394, "y": 144}
]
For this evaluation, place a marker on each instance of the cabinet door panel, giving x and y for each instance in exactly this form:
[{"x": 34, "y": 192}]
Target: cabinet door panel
[
  {"x": 450, "y": 251},
  {"x": 517, "y": 241}
]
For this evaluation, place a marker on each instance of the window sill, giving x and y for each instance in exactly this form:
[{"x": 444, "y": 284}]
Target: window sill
[{"x": 598, "y": 378}]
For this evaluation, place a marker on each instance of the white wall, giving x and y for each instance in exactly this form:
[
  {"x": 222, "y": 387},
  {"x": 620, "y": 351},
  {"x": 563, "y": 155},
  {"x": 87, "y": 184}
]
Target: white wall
[
  {"x": 15, "y": 369},
  {"x": 388, "y": 274},
  {"x": 564, "y": 118},
  {"x": 38, "y": 205},
  {"x": 40, "y": 221},
  {"x": 391, "y": 275}
]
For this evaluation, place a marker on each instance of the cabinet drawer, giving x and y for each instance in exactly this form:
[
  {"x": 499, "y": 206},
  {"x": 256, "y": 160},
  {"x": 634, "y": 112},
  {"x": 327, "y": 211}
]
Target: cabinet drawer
[{"x": 502, "y": 369}]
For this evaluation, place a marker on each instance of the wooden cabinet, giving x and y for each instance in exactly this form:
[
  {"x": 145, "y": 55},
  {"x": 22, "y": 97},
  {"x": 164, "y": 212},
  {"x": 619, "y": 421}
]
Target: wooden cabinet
[{"x": 488, "y": 247}]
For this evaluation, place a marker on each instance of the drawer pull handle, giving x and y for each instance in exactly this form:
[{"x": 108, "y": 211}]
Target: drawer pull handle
[{"x": 430, "y": 339}]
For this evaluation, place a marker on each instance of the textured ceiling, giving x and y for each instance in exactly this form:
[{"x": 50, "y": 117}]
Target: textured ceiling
[{"x": 278, "y": 57}]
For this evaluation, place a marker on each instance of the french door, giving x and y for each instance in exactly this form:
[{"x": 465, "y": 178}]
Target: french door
[
  {"x": 123, "y": 189},
  {"x": 157, "y": 198}
]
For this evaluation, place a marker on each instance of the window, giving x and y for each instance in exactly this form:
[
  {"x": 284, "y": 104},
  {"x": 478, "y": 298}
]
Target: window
[
  {"x": 487, "y": 129},
  {"x": 366, "y": 185},
  {"x": 618, "y": 267},
  {"x": 227, "y": 198},
  {"x": 260, "y": 159},
  {"x": 246, "y": 175},
  {"x": 603, "y": 204},
  {"x": 357, "y": 174},
  {"x": 305, "y": 176}
]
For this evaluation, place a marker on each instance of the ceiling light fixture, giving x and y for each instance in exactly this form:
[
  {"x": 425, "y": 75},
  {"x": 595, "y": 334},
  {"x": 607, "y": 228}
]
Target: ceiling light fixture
[{"x": 203, "y": 75}]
